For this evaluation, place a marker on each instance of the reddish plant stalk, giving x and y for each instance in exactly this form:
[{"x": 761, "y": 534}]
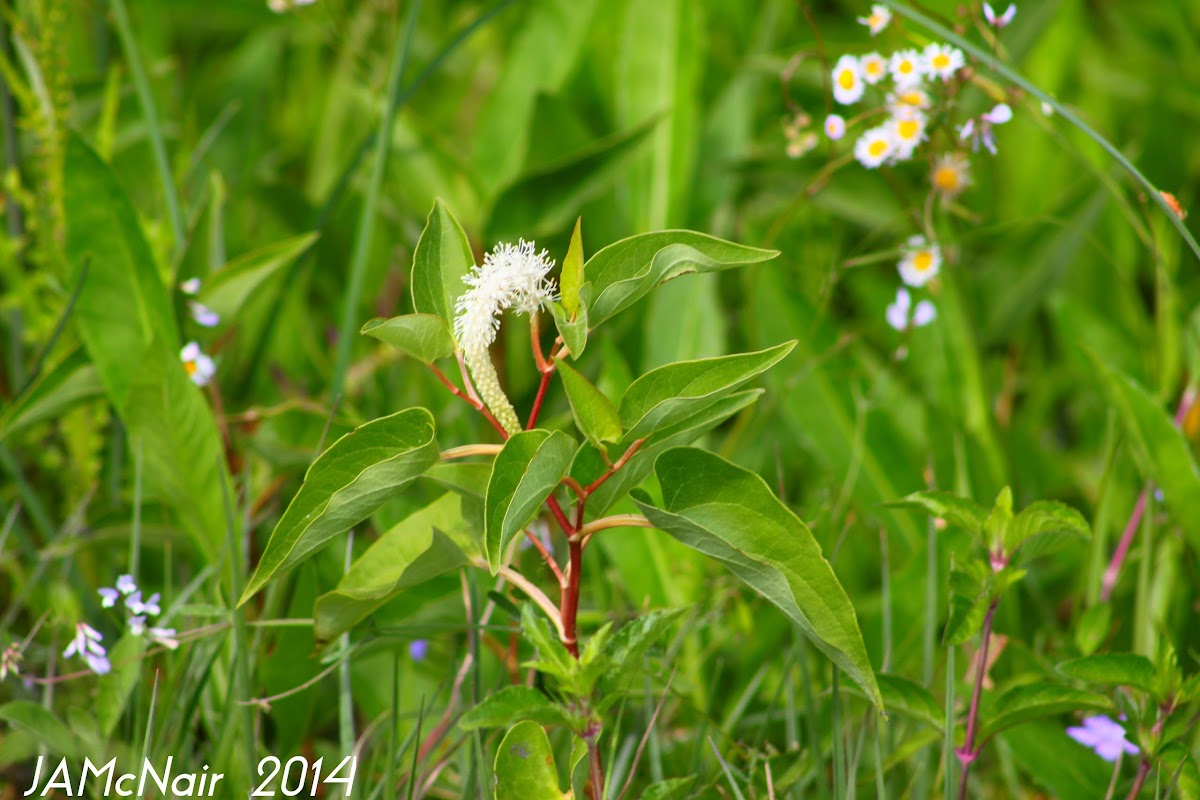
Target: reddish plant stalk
[
  {"x": 968, "y": 753},
  {"x": 471, "y": 401},
  {"x": 1131, "y": 527},
  {"x": 570, "y": 596}
]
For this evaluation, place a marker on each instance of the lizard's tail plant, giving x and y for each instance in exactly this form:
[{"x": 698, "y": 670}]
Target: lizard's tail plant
[{"x": 497, "y": 494}]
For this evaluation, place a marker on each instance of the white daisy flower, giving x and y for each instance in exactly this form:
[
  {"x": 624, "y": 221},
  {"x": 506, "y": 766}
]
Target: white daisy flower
[
  {"x": 951, "y": 174},
  {"x": 943, "y": 60},
  {"x": 878, "y": 19},
  {"x": 203, "y": 314},
  {"x": 908, "y": 131},
  {"x": 898, "y": 312},
  {"x": 1002, "y": 20},
  {"x": 835, "y": 127},
  {"x": 907, "y": 68},
  {"x": 908, "y": 100},
  {"x": 511, "y": 277},
  {"x": 199, "y": 367},
  {"x": 875, "y": 147},
  {"x": 848, "y": 84},
  {"x": 920, "y": 262},
  {"x": 874, "y": 67}
]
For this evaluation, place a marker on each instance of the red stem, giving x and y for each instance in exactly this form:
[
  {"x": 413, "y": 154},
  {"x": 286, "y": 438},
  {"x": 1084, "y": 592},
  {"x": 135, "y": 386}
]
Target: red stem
[
  {"x": 1131, "y": 527},
  {"x": 967, "y": 755},
  {"x": 541, "y": 395},
  {"x": 570, "y": 596},
  {"x": 473, "y": 403},
  {"x": 1139, "y": 779},
  {"x": 620, "y": 462},
  {"x": 546, "y": 556}
]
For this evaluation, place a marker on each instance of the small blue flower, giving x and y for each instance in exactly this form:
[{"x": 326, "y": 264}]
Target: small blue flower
[
  {"x": 418, "y": 649},
  {"x": 1104, "y": 736}
]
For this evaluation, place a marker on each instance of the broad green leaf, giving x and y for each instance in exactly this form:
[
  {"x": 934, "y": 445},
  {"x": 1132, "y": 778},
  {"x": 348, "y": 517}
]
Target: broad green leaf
[
  {"x": 1044, "y": 518},
  {"x": 123, "y": 305},
  {"x": 969, "y": 598},
  {"x": 443, "y": 256},
  {"x": 425, "y": 544},
  {"x": 228, "y": 289},
  {"x": 1056, "y": 762},
  {"x": 1112, "y": 669},
  {"x": 571, "y": 280},
  {"x": 674, "y": 392},
  {"x": 515, "y": 704},
  {"x": 425, "y": 337},
  {"x": 543, "y": 201},
  {"x": 553, "y": 657},
  {"x": 961, "y": 512},
  {"x": 627, "y": 270},
  {"x": 909, "y": 699},
  {"x": 524, "y": 474},
  {"x": 729, "y": 514},
  {"x": 72, "y": 381},
  {"x": 1035, "y": 700},
  {"x": 42, "y": 724},
  {"x": 574, "y": 332},
  {"x": 588, "y": 466},
  {"x": 594, "y": 413},
  {"x": 1159, "y": 447},
  {"x": 170, "y": 421},
  {"x": 525, "y": 765},
  {"x": 995, "y": 527},
  {"x": 115, "y": 687},
  {"x": 464, "y": 477},
  {"x": 346, "y": 483}
]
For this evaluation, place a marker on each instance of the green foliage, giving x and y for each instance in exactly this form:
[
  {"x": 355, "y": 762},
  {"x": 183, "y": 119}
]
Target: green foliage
[
  {"x": 425, "y": 337},
  {"x": 441, "y": 259},
  {"x": 525, "y": 473},
  {"x": 525, "y": 765}
]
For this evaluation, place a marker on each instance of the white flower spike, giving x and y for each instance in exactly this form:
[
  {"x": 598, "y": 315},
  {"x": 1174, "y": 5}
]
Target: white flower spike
[
  {"x": 199, "y": 367},
  {"x": 835, "y": 127},
  {"x": 875, "y": 147},
  {"x": 920, "y": 262},
  {"x": 1001, "y": 20},
  {"x": 848, "y": 83},
  {"x": 511, "y": 277},
  {"x": 878, "y": 19}
]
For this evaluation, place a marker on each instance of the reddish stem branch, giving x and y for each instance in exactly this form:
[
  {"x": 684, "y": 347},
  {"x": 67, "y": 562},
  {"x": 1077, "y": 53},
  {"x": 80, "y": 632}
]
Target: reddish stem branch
[
  {"x": 570, "y": 597},
  {"x": 547, "y": 557},
  {"x": 472, "y": 401},
  {"x": 1135, "y": 519},
  {"x": 968, "y": 753},
  {"x": 540, "y": 397},
  {"x": 1139, "y": 779},
  {"x": 620, "y": 462}
]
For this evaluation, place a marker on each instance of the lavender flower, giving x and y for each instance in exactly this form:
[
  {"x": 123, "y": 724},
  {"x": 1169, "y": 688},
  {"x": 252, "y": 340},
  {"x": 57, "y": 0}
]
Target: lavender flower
[
  {"x": 165, "y": 637},
  {"x": 979, "y": 130},
  {"x": 203, "y": 314},
  {"x": 418, "y": 649},
  {"x": 150, "y": 606},
  {"x": 1104, "y": 736},
  {"x": 126, "y": 584},
  {"x": 999, "y": 20},
  {"x": 87, "y": 645}
]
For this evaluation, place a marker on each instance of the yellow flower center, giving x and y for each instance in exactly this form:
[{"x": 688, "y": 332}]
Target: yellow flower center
[
  {"x": 912, "y": 99},
  {"x": 877, "y": 148},
  {"x": 189, "y": 367},
  {"x": 874, "y": 68},
  {"x": 846, "y": 79},
  {"x": 941, "y": 61},
  {"x": 875, "y": 20},
  {"x": 946, "y": 179},
  {"x": 905, "y": 67},
  {"x": 923, "y": 261},
  {"x": 908, "y": 129}
]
